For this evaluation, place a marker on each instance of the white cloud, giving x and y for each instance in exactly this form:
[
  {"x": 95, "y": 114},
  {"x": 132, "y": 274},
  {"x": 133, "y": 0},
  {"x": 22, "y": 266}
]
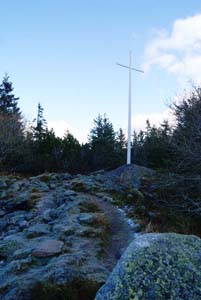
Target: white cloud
[
  {"x": 179, "y": 51},
  {"x": 60, "y": 127},
  {"x": 139, "y": 121}
]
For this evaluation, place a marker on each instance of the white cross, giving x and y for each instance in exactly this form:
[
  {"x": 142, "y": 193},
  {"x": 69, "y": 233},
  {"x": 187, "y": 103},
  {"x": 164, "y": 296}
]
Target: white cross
[{"x": 129, "y": 104}]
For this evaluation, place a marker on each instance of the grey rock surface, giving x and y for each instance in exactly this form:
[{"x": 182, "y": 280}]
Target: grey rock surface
[
  {"x": 157, "y": 266},
  {"x": 48, "y": 248},
  {"x": 57, "y": 228}
]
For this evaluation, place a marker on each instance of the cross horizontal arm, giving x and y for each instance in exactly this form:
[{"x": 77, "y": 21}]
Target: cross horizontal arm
[{"x": 130, "y": 68}]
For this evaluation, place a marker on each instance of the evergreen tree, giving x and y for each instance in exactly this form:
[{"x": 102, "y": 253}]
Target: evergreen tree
[
  {"x": 120, "y": 148},
  {"x": 152, "y": 147},
  {"x": 41, "y": 124},
  {"x": 138, "y": 153},
  {"x": 86, "y": 158},
  {"x": 11, "y": 125},
  {"x": 187, "y": 133},
  {"x": 71, "y": 153},
  {"x": 8, "y": 101},
  {"x": 102, "y": 142},
  {"x": 121, "y": 138},
  {"x": 50, "y": 151}
]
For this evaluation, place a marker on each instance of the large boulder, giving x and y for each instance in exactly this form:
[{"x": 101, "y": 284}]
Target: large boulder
[{"x": 157, "y": 267}]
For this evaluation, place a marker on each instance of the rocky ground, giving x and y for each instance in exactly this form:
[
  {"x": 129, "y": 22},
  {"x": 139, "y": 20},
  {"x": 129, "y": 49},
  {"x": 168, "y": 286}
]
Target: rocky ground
[
  {"x": 62, "y": 238},
  {"x": 61, "y": 235}
]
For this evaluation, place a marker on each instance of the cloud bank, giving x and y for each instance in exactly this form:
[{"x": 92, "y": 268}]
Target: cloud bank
[{"x": 177, "y": 51}]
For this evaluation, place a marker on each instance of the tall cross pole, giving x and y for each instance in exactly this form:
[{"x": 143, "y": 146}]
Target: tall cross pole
[{"x": 129, "y": 103}]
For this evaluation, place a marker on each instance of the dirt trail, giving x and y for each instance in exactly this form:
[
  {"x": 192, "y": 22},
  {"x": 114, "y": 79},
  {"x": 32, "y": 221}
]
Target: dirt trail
[{"x": 122, "y": 233}]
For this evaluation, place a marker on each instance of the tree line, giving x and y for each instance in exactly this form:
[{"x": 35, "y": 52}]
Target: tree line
[
  {"x": 35, "y": 149},
  {"x": 173, "y": 194}
]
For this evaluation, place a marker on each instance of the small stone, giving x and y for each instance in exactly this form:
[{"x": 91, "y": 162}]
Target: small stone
[
  {"x": 3, "y": 184},
  {"x": 53, "y": 186},
  {"x": 15, "y": 187},
  {"x": 3, "y": 224},
  {"x": 72, "y": 198},
  {"x": 48, "y": 248},
  {"x": 21, "y": 202},
  {"x": 69, "y": 193},
  {"x": 65, "y": 229},
  {"x": 21, "y": 253},
  {"x": 65, "y": 176},
  {"x": 3, "y": 195},
  {"x": 2, "y": 213},
  {"x": 37, "y": 230},
  {"x": 86, "y": 218},
  {"x": 43, "y": 187},
  {"x": 49, "y": 214},
  {"x": 23, "y": 224}
]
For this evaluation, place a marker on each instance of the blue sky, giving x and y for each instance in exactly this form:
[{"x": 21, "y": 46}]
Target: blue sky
[{"x": 63, "y": 54}]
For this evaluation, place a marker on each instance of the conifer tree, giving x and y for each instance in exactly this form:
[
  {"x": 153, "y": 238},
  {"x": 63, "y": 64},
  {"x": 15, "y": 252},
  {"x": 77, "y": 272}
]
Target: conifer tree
[
  {"x": 121, "y": 138},
  {"x": 102, "y": 142},
  {"x": 8, "y": 101},
  {"x": 41, "y": 124},
  {"x": 71, "y": 152},
  {"x": 120, "y": 148},
  {"x": 11, "y": 126}
]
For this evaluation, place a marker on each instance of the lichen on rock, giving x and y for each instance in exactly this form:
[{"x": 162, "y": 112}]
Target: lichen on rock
[{"x": 157, "y": 266}]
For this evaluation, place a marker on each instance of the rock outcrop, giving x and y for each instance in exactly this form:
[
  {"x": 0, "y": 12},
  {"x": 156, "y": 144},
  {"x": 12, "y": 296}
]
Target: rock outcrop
[
  {"x": 130, "y": 175},
  {"x": 58, "y": 234},
  {"x": 157, "y": 267},
  {"x": 62, "y": 235}
]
